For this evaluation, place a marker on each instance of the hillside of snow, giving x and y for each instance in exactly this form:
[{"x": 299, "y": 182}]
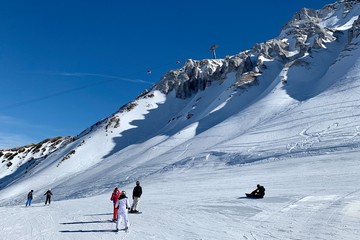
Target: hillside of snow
[{"x": 284, "y": 114}]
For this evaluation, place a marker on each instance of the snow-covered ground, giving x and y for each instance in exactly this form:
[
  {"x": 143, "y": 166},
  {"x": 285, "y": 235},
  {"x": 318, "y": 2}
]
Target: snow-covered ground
[
  {"x": 313, "y": 197},
  {"x": 196, "y": 158}
]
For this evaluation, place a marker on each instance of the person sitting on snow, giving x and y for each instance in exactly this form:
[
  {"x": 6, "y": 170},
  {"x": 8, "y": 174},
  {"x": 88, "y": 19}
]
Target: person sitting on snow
[{"x": 259, "y": 191}]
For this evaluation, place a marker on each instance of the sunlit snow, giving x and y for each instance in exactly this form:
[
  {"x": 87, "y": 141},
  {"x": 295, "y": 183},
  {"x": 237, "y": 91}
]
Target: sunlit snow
[{"x": 197, "y": 157}]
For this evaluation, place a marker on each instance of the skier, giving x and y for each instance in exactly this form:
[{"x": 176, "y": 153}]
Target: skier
[
  {"x": 48, "y": 196},
  {"x": 136, "y": 197},
  {"x": 114, "y": 197},
  {"x": 259, "y": 192},
  {"x": 122, "y": 205},
  {"x": 29, "y": 198}
]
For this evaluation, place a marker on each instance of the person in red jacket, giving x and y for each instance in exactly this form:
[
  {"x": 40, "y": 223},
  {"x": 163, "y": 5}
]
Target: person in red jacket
[{"x": 114, "y": 198}]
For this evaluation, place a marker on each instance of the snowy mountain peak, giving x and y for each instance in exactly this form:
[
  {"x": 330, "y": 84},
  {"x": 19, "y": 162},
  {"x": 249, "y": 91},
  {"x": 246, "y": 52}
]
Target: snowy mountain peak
[
  {"x": 308, "y": 29},
  {"x": 284, "y": 114},
  {"x": 274, "y": 101}
]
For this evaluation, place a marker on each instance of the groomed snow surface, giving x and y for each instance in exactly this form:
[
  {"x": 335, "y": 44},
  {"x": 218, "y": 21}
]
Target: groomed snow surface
[{"x": 306, "y": 198}]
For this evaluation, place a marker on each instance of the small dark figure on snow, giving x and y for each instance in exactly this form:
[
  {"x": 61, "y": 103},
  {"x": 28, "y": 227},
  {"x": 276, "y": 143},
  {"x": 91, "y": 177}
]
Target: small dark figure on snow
[
  {"x": 29, "y": 198},
  {"x": 136, "y": 197},
  {"x": 259, "y": 192},
  {"x": 48, "y": 196}
]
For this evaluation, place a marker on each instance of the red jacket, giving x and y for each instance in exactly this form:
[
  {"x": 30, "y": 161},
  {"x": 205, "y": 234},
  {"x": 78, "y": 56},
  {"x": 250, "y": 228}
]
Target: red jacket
[{"x": 115, "y": 195}]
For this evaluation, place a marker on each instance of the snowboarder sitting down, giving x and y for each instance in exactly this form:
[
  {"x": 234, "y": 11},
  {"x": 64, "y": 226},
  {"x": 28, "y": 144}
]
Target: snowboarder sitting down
[{"x": 259, "y": 192}]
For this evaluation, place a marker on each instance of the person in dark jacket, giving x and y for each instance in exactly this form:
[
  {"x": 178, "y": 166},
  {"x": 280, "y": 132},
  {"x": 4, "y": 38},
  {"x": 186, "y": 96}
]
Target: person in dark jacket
[
  {"x": 259, "y": 192},
  {"x": 29, "y": 198},
  {"x": 48, "y": 196},
  {"x": 136, "y": 197}
]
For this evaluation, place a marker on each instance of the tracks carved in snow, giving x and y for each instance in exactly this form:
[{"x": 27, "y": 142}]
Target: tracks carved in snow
[{"x": 310, "y": 138}]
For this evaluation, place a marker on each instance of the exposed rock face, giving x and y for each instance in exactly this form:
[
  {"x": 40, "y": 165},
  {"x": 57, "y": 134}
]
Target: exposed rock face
[
  {"x": 198, "y": 75},
  {"x": 304, "y": 32},
  {"x": 14, "y": 157},
  {"x": 354, "y": 32}
]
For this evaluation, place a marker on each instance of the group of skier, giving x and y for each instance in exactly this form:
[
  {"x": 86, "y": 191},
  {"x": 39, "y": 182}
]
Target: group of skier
[
  {"x": 122, "y": 206},
  {"x": 29, "y": 199}
]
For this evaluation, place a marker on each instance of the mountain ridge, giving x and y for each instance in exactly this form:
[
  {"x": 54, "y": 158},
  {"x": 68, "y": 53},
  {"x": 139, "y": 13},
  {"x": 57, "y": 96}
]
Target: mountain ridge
[{"x": 203, "y": 95}]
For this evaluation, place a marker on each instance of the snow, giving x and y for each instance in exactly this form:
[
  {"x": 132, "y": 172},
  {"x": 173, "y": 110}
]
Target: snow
[
  {"x": 196, "y": 159},
  {"x": 306, "y": 198},
  {"x": 341, "y": 19}
]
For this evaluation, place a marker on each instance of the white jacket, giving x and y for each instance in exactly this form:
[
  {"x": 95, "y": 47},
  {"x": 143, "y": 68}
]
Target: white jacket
[{"x": 122, "y": 204}]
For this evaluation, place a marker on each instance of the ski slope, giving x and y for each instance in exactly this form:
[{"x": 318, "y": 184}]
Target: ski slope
[
  {"x": 313, "y": 197},
  {"x": 196, "y": 158}
]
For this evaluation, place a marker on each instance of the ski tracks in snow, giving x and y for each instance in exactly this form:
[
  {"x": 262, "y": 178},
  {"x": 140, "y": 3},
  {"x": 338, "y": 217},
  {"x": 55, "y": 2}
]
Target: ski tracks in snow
[
  {"x": 318, "y": 216},
  {"x": 357, "y": 132},
  {"x": 310, "y": 138},
  {"x": 313, "y": 215}
]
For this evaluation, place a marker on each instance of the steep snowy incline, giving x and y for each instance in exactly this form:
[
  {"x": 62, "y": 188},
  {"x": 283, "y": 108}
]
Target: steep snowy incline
[{"x": 280, "y": 98}]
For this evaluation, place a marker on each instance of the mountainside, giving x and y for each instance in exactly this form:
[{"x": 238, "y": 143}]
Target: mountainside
[{"x": 295, "y": 95}]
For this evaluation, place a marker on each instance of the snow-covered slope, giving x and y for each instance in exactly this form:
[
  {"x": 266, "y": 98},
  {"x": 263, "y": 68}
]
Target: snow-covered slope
[{"x": 284, "y": 113}]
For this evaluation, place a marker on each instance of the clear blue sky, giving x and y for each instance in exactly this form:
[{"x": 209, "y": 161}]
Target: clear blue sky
[{"x": 66, "y": 64}]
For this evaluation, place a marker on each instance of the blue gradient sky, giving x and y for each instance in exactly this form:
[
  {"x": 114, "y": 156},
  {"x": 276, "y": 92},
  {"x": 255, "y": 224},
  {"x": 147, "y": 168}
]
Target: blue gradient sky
[{"x": 66, "y": 64}]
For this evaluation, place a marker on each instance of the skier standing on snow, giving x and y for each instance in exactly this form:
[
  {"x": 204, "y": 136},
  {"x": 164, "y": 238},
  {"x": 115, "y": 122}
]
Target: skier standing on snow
[
  {"x": 136, "y": 197},
  {"x": 29, "y": 198},
  {"x": 114, "y": 198},
  {"x": 122, "y": 205},
  {"x": 48, "y": 196}
]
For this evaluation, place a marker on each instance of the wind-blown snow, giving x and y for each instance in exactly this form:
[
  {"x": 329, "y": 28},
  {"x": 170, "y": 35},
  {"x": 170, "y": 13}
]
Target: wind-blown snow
[{"x": 196, "y": 157}]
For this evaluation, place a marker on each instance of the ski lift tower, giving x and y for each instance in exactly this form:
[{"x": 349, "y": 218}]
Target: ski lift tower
[{"x": 212, "y": 49}]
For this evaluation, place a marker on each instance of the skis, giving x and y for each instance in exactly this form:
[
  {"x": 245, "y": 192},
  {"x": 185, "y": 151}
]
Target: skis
[
  {"x": 133, "y": 212},
  {"x": 122, "y": 230},
  {"x": 125, "y": 230},
  {"x": 252, "y": 196}
]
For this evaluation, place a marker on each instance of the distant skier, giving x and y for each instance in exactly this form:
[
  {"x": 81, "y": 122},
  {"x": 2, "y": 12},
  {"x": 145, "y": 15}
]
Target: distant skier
[
  {"x": 259, "y": 192},
  {"x": 136, "y": 197},
  {"x": 29, "y": 198},
  {"x": 48, "y": 196},
  {"x": 122, "y": 205},
  {"x": 114, "y": 198}
]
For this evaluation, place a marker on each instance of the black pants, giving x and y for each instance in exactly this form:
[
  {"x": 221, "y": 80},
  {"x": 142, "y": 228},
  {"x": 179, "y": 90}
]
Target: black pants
[{"x": 48, "y": 199}]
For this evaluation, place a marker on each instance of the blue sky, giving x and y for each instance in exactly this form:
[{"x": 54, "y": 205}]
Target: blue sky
[{"x": 66, "y": 64}]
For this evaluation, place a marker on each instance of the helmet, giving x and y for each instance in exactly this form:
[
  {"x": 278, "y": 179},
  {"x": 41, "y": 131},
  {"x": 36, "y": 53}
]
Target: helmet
[
  {"x": 137, "y": 183},
  {"x": 123, "y": 193}
]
